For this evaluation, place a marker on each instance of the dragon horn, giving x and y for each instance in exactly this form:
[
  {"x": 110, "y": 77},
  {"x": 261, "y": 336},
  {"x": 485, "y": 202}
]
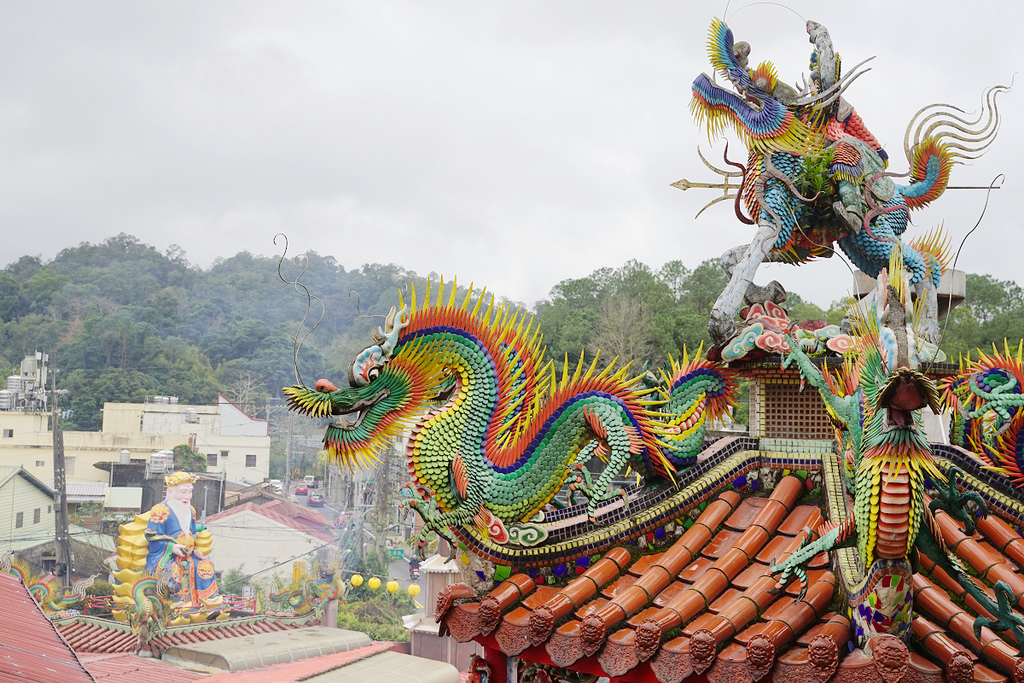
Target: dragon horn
[
  {"x": 388, "y": 336},
  {"x": 829, "y": 96}
]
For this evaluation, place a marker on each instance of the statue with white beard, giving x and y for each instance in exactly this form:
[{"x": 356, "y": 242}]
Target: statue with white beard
[{"x": 171, "y": 533}]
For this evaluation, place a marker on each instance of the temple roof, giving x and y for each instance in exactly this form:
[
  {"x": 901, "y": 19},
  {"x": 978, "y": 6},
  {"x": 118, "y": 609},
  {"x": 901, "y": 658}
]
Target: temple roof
[
  {"x": 31, "y": 649},
  {"x": 91, "y": 636},
  {"x": 130, "y": 668},
  {"x": 284, "y": 512},
  {"x": 706, "y": 604}
]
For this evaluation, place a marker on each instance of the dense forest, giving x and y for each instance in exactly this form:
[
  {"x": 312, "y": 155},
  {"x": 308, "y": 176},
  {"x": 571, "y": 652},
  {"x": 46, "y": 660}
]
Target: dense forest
[{"x": 122, "y": 321}]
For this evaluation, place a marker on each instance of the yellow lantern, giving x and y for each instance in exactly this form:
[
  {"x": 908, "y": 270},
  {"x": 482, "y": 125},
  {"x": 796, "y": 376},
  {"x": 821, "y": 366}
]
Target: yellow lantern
[
  {"x": 373, "y": 583},
  {"x": 414, "y": 590},
  {"x": 392, "y": 586},
  {"x": 356, "y": 580}
]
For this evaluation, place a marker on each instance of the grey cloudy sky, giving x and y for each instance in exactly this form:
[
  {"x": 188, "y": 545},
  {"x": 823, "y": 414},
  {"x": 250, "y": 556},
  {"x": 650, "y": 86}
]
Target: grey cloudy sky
[{"x": 514, "y": 144}]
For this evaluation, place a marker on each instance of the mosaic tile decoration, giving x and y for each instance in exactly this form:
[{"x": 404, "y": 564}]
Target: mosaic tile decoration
[{"x": 571, "y": 536}]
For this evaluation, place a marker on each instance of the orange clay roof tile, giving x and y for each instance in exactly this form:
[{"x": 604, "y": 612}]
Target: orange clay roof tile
[{"x": 642, "y": 614}]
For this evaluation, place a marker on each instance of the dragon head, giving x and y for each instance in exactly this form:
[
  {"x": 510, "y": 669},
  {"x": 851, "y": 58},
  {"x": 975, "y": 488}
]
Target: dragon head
[
  {"x": 388, "y": 382},
  {"x": 894, "y": 352},
  {"x": 765, "y": 112},
  {"x": 755, "y": 107}
]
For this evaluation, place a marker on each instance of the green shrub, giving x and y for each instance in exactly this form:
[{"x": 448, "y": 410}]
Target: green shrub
[{"x": 377, "y": 613}]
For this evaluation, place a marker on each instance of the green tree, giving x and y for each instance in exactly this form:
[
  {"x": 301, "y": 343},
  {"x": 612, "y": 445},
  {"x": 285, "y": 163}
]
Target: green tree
[
  {"x": 43, "y": 287},
  {"x": 992, "y": 312},
  {"x": 800, "y": 310},
  {"x": 13, "y": 303},
  {"x": 188, "y": 460}
]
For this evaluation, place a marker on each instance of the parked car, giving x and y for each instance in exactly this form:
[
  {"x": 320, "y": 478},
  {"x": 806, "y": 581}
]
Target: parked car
[
  {"x": 301, "y": 490},
  {"x": 315, "y": 500}
]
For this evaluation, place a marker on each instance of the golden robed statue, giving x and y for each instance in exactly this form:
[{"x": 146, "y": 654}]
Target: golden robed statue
[{"x": 167, "y": 545}]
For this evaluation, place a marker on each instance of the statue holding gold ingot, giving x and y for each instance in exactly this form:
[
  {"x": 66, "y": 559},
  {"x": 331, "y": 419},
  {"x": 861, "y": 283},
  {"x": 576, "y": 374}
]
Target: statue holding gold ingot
[{"x": 165, "y": 549}]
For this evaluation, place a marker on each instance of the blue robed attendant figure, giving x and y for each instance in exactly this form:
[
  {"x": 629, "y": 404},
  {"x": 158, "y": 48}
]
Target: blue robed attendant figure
[{"x": 171, "y": 533}]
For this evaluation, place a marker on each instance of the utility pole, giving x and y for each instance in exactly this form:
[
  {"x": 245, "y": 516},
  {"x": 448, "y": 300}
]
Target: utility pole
[
  {"x": 382, "y": 502},
  {"x": 288, "y": 454},
  {"x": 65, "y": 557}
]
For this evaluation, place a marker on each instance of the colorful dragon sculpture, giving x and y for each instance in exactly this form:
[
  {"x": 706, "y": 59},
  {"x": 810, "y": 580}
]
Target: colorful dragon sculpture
[
  {"x": 312, "y": 593},
  {"x": 54, "y": 599},
  {"x": 985, "y": 400},
  {"x": 876, "y": 401},
  {"x": 495, "y": 430},
  {"x": 816, "y": 176}
]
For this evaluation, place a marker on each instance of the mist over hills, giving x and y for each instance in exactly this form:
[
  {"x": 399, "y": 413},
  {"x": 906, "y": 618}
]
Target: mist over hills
[{"x": 122, "y": 321}]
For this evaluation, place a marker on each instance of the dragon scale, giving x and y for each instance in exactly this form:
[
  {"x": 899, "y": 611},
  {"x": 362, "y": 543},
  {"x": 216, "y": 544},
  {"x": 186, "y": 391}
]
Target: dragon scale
[
  {"x": 816, "y": 176},
  {"x": 495, "y": 431}
]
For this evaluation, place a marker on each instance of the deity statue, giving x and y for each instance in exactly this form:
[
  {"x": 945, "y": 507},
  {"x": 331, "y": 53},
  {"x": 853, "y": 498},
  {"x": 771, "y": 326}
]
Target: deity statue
[{"x": 173, "y": 552}]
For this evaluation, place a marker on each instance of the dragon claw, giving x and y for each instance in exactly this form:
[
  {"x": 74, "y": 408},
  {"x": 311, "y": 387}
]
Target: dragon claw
[
  {"x": 952, "y": 502},
  {"x": 1005, "y": 617}
]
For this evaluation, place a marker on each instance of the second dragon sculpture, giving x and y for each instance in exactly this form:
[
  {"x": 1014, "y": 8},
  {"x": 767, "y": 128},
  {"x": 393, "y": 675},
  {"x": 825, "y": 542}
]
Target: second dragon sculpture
[
  {"x": 876, "y": 403},
  {"x": 816, "y": 176}
]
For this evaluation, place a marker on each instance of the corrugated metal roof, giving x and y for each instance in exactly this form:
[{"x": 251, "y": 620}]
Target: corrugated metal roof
[
  {"x": 32, "y": 538},
  {"x": 30, "y": 647},
  {"x": 97, "y": 539},
  {"x": 381, "y": 663},
  {"x": 124, "y": 498},
  {"x": 84, "y": 491}
]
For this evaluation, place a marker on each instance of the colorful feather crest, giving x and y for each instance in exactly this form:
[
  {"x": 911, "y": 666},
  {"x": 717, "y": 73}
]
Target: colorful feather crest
[
  {"x": 494, "y": 429},
  {"x": 939, "y": 136},
  {"x": 762, "y": 121},
  {"x": 986, "y": 398}
]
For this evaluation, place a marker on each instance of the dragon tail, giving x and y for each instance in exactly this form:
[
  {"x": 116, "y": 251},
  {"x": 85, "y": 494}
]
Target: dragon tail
[
  {"x": 940, "y": 136},
  {"x": 986, "y": 399},
  {"x": 699, "y": 391},
  {"x": 998, "y": 602},
  {"x": 934, "y": 249}
]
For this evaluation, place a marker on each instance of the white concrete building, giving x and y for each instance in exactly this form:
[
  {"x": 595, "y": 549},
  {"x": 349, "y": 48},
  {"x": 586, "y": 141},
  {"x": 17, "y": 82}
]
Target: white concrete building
[
  {"x": 233, "y": 442},
  {"x": 267, "y": 538}
]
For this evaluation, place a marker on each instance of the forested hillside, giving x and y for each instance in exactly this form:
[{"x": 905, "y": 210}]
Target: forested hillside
[{"x": 122, "y": 321}]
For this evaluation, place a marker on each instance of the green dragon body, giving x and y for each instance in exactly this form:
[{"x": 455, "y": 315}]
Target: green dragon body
[
  {"x": 876, "y": 402},
  {"x": 986, "y": 403},
  {"x": 494, "y": 431},
  {"x": 53, "y": 598}
]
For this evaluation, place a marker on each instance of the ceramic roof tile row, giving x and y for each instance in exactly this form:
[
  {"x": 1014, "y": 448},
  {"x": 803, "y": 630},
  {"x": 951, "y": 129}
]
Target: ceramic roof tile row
[
  {"x": 711, "y": 591},
  {"x": 90, "y": 635},
  {"x": 95, "y": 636},
  {"x": 31, "y": 649},
  {"x": 130, "y": 668},
  {"x": 303, "y": 669}
]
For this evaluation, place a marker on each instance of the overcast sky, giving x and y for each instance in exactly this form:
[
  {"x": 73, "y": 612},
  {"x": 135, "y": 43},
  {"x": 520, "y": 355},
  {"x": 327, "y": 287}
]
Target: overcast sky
[{"x": 514, "y": 144}]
